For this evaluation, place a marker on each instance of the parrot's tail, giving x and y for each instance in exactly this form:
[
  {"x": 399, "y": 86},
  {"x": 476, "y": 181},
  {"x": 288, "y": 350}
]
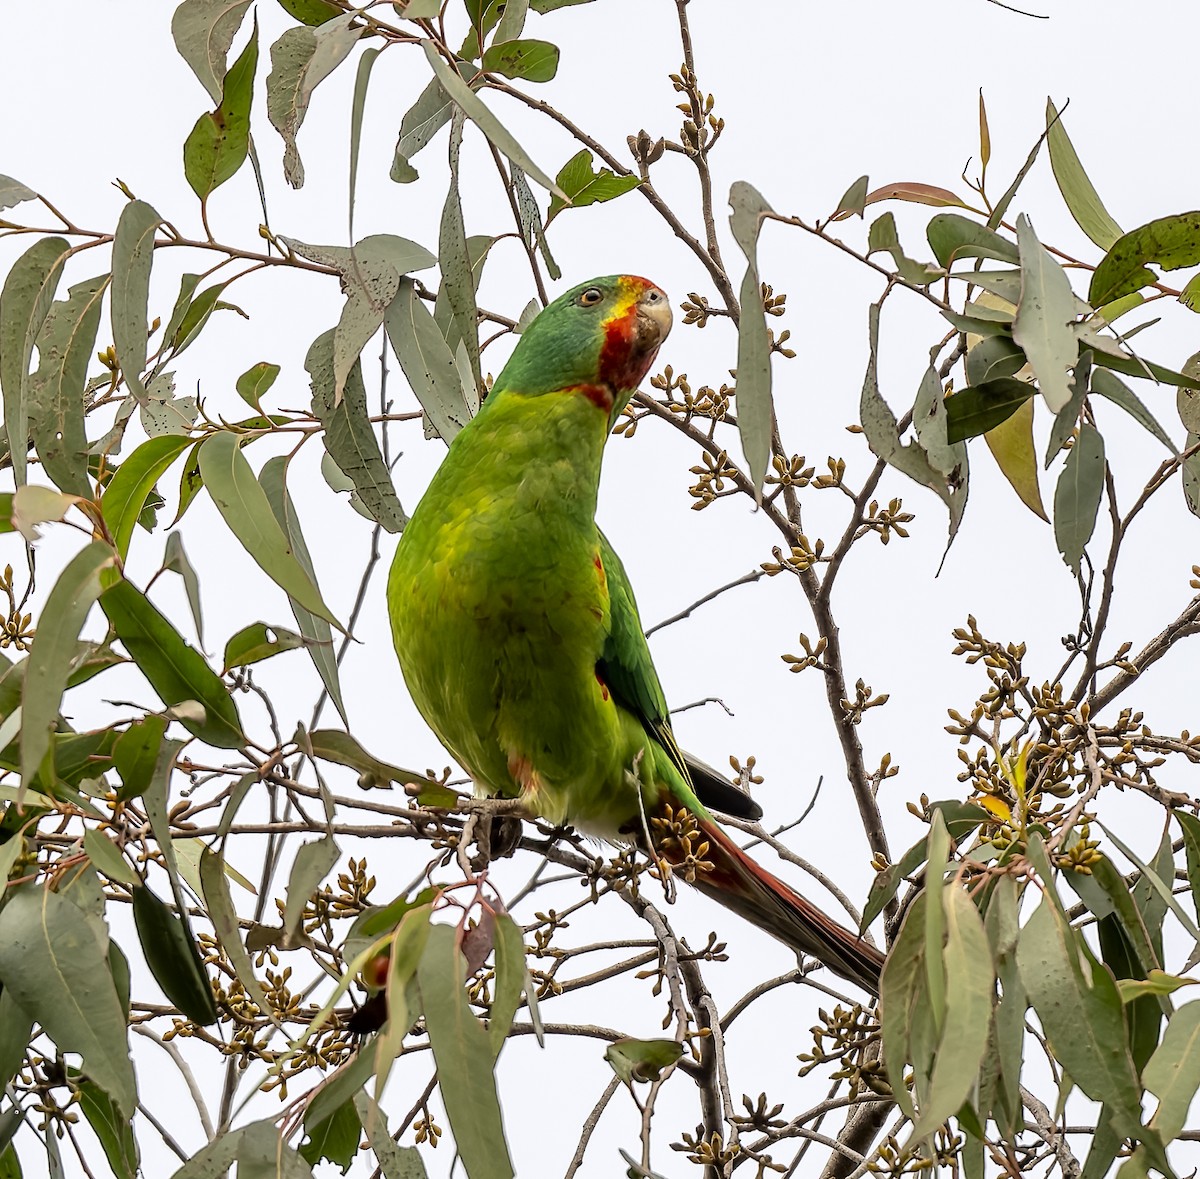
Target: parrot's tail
[{"x": 728, "y": 875}]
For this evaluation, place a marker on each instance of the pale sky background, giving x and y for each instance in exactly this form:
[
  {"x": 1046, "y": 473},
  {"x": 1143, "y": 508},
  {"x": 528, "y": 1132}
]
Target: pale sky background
[{"x": 813, "y": 96}]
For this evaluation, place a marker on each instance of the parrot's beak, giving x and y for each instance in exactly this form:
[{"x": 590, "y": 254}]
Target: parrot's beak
[{"x": 654, "y": 318}]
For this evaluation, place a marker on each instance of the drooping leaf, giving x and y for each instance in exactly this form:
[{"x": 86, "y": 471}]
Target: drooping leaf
[
  {"x": 175, "y": 560},
  {"x": 1077, "y": 190},
  {"x": 1169, "y": 242},
  {"x": 1011, "y": 444},
  {"x": 107, "y": 859},
  {"x": 24, "y": 304},
  {"x": 173, "y": 957},
  {"x": 1077, "y": 495},
  {"x": 993, "y": 357},
  {"x": 362, "y": 79},
  {"x": 253, "y": 384},
  {"x": 314, "y": 861},
  {"x": 245, "y": 508},
  {"x": 32, "y": 505},
  {"x": 204, "y": 31},
  {"x": 929, "y": 419},
  {"x": 67, "y": 605},
  {"x": 756, "y": 412},
  {"x": 53, "y": 960},
  {"x": 132, "y": 259},
  {"x": 901, "y": 998},
  {"x": 175, "y": 671},
  {"x": 300, "y": 60},
  {"x": 464, "y": 1059},
  {"x": 56, "y": 390},
  {"x": 217, "y": 145},
  {"x": 316, "y": 631},
  {"x": 135, "y": 755},
  {"x": 584, "y": 185},
  {"x": 395, "y": 1162},
  {"x": 112, "y": 1128},
  {"x": 421, "y": 122},
  {"x": 509, "y": 949},
  {"x": 474, "y": 108},
  {"x": 458, "y": 285},
  {"x": 1173, "y": 1072},
  {"x": 880, "y": 427},
  {"x": 1045, "y": 313}
]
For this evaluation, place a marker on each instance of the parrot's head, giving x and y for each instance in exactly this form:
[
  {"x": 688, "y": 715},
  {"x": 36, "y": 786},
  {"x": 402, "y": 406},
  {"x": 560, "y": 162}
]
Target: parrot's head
[{"x": 602, "y": 334}]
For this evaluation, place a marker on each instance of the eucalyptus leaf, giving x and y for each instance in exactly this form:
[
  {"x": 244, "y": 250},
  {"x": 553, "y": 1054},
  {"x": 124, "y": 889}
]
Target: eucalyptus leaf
[
  {"x": 1077, "y": 495},
  {"x": 204, "y": 31},
  {"x": 132, "y": 259}
]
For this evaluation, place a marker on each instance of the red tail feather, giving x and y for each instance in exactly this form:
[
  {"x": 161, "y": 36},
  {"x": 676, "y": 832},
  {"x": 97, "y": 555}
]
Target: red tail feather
[{"x": 740, "y": 884}]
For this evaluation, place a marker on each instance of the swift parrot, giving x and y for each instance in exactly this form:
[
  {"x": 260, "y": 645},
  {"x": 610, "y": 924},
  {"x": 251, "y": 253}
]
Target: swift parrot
[{"x": 519, "y": 637}]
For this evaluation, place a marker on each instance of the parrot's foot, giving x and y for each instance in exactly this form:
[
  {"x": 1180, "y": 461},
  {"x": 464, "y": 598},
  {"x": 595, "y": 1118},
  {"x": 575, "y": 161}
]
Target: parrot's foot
[{"x": 495, "y": 826}]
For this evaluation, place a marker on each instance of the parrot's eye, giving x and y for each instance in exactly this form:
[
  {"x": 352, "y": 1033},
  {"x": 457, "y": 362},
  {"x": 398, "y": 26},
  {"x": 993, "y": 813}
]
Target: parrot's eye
[
  {"x": 652, "y": 295},
  {"x": 591, "y": 297}
]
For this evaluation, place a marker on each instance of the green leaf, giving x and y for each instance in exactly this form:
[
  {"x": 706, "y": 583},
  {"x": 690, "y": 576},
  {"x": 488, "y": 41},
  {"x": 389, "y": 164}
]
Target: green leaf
[
  {"x": 334, "y": 1138},
  {"x": 1045, "y": 313},
  {"x": 1108, "y": 386},
  {"x": 362, "y": 79},
  {"x": 343, "y": 749},
  {"x": 224, "y": 917},
  {"x": 1173, "y": 1072},
  {"x": 175, "y": 671},
  {"x": 314, "y": 861},
  {"x": 1081, "y": 1016},
  {"x": 421, "y": 122},
  {"x": 473, "y": 107},
  {"x": 1190, "y": 826},
  {"x": 970, "y": 983},
  {"x": 135, "y": 756},
  {"x": 24, "y": 304},
  {"x": 33, "y": 505},
  {"x": 512, "y": 21},
  {"x": 132, "y": 258},
  {"x": 56, "y": 390},
  {"x": 175, "y": 560},
  {"x": 311, "y": 12},
  {"x": 300, "y": 60},
  {"x": 53, "y": 960},
  {"x": 1011, "y": 444},
  {"x": 883, "y": 236},
  {"x": 756, "y": 412},
  {"x": 584, "y": 186},
  {"x": 464, "y": 1059},
  {"x": 245, "y": 508},
  {"x": 257, "y": 642},
  {"x": 217, "y": 145},
  {"x": 349, "y": 436},
  {"x": 952, "y": 236},
  {"x": 458, "y": 286},
  {"x": 509, "y": 943},
  {"x": 16, "y": 1030},
  {"x": 263, "y": 1153},
  {"x": 1081, "y": 197},
  {"x": 13, "y": 192},
  {"x": 853, "y": 201},
  {"x": 203, "y": 31},
  {"x": 544, "y": 6},
  {"x": 111, "y": 1127},
  {"x": 395, "y": 1162},
  {"x": 531, "y": 61},
  {"x": 341, "y": 1086},
  {"x": 929, "y": 418},
  {"x": 1066, "y": 419},
  {"x": 1077, "y": 495},
  {"x": 426, "y": 361},
  {"x": 173, "y": 957},
  {"x": 253, "y": 384},
  {"x": 642, "y": 1060},
  {"x": 104, "y": 855},
  {"x": 882, "y": 432},
  {"x": 67, "y": 605},
  {"x": 317, "y": 634},
  {"x": 901, "y": 997},
  {"x": 1169, "y": 242}
]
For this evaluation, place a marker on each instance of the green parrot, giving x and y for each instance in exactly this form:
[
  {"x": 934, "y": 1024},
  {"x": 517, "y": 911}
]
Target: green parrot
[{"x": 519, "y": 637}]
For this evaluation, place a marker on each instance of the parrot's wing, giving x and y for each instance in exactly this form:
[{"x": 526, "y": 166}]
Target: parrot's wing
[{"x": 628, "y": 670}]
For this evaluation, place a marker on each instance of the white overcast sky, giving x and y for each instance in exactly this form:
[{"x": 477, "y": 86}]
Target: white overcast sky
[{"x": 813, "y": 96}]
